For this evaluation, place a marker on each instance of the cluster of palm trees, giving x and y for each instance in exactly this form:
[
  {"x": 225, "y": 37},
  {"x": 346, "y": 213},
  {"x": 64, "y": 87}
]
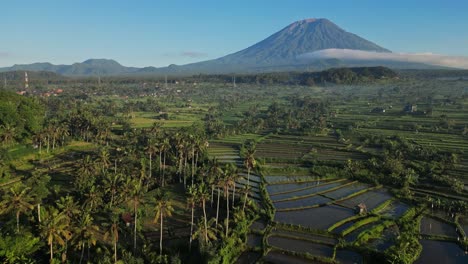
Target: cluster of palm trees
[
  {"x": 123, "y": 176},
  {"x": 222, "y": 179}
]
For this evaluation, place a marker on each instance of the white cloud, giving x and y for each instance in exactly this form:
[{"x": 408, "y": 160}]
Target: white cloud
[{"x": 427, "y": 58}]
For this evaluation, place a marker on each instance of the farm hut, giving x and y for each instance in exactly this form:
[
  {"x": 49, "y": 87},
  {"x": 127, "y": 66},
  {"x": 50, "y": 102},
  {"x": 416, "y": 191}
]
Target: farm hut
[
  {"x": 410, "y": 108},
  {"x": 361, "y": 208},
  {"x": 127, "y": 218},
  {"x": 378, "y": 110}
]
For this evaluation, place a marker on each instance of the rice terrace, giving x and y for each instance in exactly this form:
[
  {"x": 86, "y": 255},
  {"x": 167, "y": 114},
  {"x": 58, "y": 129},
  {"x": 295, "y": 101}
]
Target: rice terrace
[{"x": 313, "y": 145}]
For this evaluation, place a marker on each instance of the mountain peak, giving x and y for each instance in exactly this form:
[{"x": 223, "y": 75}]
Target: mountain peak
[{"x": 100, "y": 62}]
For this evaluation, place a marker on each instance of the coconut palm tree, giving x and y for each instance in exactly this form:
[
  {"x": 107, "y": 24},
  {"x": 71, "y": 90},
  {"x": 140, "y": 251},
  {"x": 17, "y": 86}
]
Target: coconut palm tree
[
  {"x": 7, "y": 134},
  {"x": 213, "y": 176},
  {"x": 86, "y": 232},
  {"x": 234, "y": 176},
  {"x": 151, "y": 149},
  {"x": 246, "y": 190},
  {"x": 227, "y": 183},
  {"x": 55, "y": 228},
  {"x": 191, "y": 200},
  {"x": 68, "y": 206},
  {"x": 164, "y": 147},
  {"x": 137, "y": 198},
  {"x": 112, "y": 183},
  {"x": 249, "y": 161},
  {"x": 104, "y": 158},
  {"x": 203, "y": 195},
  {"x": 203, "y": 233},
  {"x": 113, "y": 233},
  {"x": 93, "y": 199},
  {"x": 162, "y": 209},
  {"x": 17, "y": 200}
]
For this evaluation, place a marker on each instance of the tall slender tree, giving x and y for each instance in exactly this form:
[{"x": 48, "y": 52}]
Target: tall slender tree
[
  {"x": 203, "y": 196},
  {"x": 55, "y": 228},
  {"x": 162, "y": 209},
  {"x": 17, "y": 200},
  {"x": 191, "y": 201}
]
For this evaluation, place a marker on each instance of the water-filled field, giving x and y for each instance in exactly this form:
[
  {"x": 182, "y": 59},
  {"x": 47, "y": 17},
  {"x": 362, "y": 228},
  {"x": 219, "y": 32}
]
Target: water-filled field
[
  {"x": 306, "y": 236},
  {"x": 346, "y": 191},
  {"x": 437, "y": 252},
  {"x": 254, "y": 240},
  {"x": 348, "y": 257},
  {"x": 279, "y": 258},
  {"x": 432, "y": 226},
  {"x": 305, "y": 202},
  {"x": 371, "y": 199},
  {"x": 306, "y": 191},
  {"x": 395, "y": 209},
  {"x": 317, "y": 218},
  {"x": 275, "y": 189},
  {"x": 301, "y": 246}
]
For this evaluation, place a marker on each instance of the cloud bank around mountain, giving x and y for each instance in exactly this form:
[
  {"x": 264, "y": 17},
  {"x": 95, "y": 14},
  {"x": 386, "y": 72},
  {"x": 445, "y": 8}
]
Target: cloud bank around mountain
[{"x": 426, "y": 58}]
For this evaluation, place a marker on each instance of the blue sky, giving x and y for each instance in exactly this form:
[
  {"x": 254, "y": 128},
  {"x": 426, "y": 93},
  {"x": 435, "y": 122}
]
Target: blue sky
[{"x": 159, "y": 33}]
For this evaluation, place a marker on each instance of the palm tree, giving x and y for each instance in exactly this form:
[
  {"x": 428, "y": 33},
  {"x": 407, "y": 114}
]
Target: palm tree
[
  {"x": 151, "y": 149},
  {"x": 112, "y": 182},
  {"x": 204, "y": 233},
  {"x": 113, "y": 232},
  {"x": 227, "y": 183},
  {"x": 68, "y": 206},
  {"x": 219, "y": 185},
  {"x": 191, "y": 199},
  {"x": 55, "y": 227},
  {"x": 234, "y": 177},
  {"x": 86, "y": 232},
  {"x": 7, "y": 133},
  {"x": 163, "y": 209},
  {"x": 249, "y": 161},
  {"x": 137, "y": 198},
  {"x": 17, "y": 200},
  {"x": 104, "y": 158},
  {"x": 164, "y": 147},
  {"x": 93, "y": 198},
  {"x": 213, "y": 175},
  {"x": 87, "y": 168},
  {"x": 246, "y": 190},
  {"x": 203, "y": 195}
]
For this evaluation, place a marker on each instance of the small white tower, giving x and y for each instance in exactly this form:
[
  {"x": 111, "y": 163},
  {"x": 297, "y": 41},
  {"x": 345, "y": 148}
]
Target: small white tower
[{"x": 26, "y": 80}]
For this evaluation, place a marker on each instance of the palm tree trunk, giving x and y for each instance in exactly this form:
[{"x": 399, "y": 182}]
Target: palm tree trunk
[
  {"x": 227, "y": 208},
  {"x": 160, "y": 163},
  {"x": 82, "y": 251},
  {"x": 17, "y": 221},
  {"x": 233, "y": 193},
  {"x": 135, "y": 230},
  {"x": 150, "y": 165},
  {"x": 39, "y": 212},
  {"x": 217, "y": 207},
  {"x": 185, "y": 172},
  {"x": 115, "y": 250},
  {"x": 248, "y": 175},
  {"x": 212, "y": 194},
  {"x": 191, "y": 229},
  {"x": 179, "y": 170},
  {"x": 193, "y": 163},
  {"x": 51, "y": 253},
  {"x": 245, "y": 201},
  {"x": 160, "y": 236},
  {"x": 164, "y": 168},
  {"x": 206, "y": 225}
]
